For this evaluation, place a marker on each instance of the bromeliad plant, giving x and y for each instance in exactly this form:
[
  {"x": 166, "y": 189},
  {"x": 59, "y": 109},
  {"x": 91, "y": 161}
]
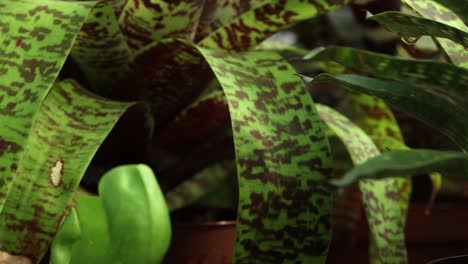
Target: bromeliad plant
[{"x": 163, "y": 53}]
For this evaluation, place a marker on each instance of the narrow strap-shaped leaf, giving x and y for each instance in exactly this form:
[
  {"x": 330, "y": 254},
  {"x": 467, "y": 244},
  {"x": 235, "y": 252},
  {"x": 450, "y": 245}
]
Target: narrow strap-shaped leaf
[
  {"x": 257, "y": 24},
  {"x": 100, "y": 49},
  {"x": 143, "y": 22},
  {"x": 201, "y": 183},
  {"x": 67, "y": 130},
  {"x": 375, "y": 118},
  {"x": 282, "y": 158},
  {"x": 381, "y": 198},
  {"x": 457, "y": 6},
  {"x": 415, "y": 27},
  {"x": 426, "y": 107},
  {"x": 216, "y": 13},
  {"x": 31, "y": 57},
  {"x": 432, "y": 10},
  {"x": 409, "y": 162},
  {"x": 444, "y": 78}
]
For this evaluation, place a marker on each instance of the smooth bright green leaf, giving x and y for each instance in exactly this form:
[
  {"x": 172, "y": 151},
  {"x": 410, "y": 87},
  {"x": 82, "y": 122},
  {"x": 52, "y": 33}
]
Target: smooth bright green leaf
[
  {"x": 381, "y": 198},
  {"x": 201, "y": 183},
  {"x": 100, "y": 49},
  {"x": 409, "y": 162},
  {"x": 68, "y": 234},
  {"x": 432, "y": 10},
  {"x": 426, "y": 107},
  {"x": 128, "y": 223},
  {"x": 259, "y": 23},
  {"x": 137, "y": 215},
  {"x": 67, "y": 131},
  {"x": 414, "y": 27},
  {"x": 444, "y": 78}
]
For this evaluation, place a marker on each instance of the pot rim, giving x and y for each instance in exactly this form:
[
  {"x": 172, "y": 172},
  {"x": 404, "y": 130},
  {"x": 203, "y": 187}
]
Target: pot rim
[{"x": 223, "y": 223}]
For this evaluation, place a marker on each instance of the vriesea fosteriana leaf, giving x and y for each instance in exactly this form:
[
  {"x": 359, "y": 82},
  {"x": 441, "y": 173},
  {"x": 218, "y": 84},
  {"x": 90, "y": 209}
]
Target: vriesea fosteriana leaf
[
  {"x": 127, "y": 223},
  {"x": 432, "y": 10},
  {"x": 67, "y": 130},
  {"x": 381, "y": 198},
  {"x": 426, "y": 107},
  {"x": 409, "y": 26},
  {"x": 443, "y": 78},
  {"x": 200, "y": 184},
  {"x": 100, "y": 49},
  {"x": 409, "y": 162},
  {"x": 282, "y": 158},
  {"x": 456, "y": 6}
]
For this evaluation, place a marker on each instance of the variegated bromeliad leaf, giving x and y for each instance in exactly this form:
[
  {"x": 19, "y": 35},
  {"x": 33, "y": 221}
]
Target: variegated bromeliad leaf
[{"x": 381, "y": 199}]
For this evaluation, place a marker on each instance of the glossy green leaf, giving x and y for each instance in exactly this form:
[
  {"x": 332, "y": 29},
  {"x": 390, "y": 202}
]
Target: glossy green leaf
[
  {"x": 432, "y": 10},
  {"x": 67, "y": 235},
  {"x": 409, "y": 162},
  {"x": 128, "y": 223},
  {"x": 259, "y": 23},
  {"x": 200, "y": 184},
  {"x": 381, "y": 198},
  {"x": 67, "y": 130},
  {"x": 426, "y": 107},
  {"x": 100, "y": 49},
  {"x": 137, "y": 215},
  {"x": 409, "y": 26},
  {"x": 443, "y": 78}
]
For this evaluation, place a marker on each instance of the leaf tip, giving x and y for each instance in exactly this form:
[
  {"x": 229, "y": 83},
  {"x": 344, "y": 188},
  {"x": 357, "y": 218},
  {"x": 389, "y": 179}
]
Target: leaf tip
[{"x": 368, "y": 14}]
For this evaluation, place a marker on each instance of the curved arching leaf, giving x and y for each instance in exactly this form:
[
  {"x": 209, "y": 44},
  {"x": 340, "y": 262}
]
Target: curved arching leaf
[
  {"x": 100, "y": 49},
  {"x": 381, "y": 198},
  {"x": 444, "y": 78},
  {"x": 408, "y": 162},
  {"x": 426, "y": 107},
  {"x": 66, "y": 133},
  {"x": 457, "y": 6},
  {"x": 257, "y": 24},
  {"x": 432, "y": 10},
  {"x": 415, "y": 27},
  {"x": 201, "y": 183}
]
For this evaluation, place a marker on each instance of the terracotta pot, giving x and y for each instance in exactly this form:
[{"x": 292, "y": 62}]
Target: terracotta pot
[{"x": 202, "y": 243}]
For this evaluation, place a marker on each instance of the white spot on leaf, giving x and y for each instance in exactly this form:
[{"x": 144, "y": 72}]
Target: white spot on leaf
[{"x": 56, "y": 172}]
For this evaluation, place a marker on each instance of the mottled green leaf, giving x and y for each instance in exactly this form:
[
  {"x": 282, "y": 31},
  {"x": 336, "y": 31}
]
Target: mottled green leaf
[
  {"x": 200, "y": 184},
  {"x": 457, "y": 6},
  {"x": 409, "y": 26},
  {"x": 259, "y": 23},
  {"x": 408, "y": 162},
  {"x": 426, "y": 107},
  {"x": 67, "y": 130},
  {"x": 143, "y": 22},
  {"x": 381, "y": 198},
  {"x": 282, "y": 159},
  {"x": 432, "y": 10},
  {"x": 100, "y": 49},
  {"x": 216, "y": 13},
  {"x": 30, "y": 59},
  {"x": 443, "y": 78}
]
